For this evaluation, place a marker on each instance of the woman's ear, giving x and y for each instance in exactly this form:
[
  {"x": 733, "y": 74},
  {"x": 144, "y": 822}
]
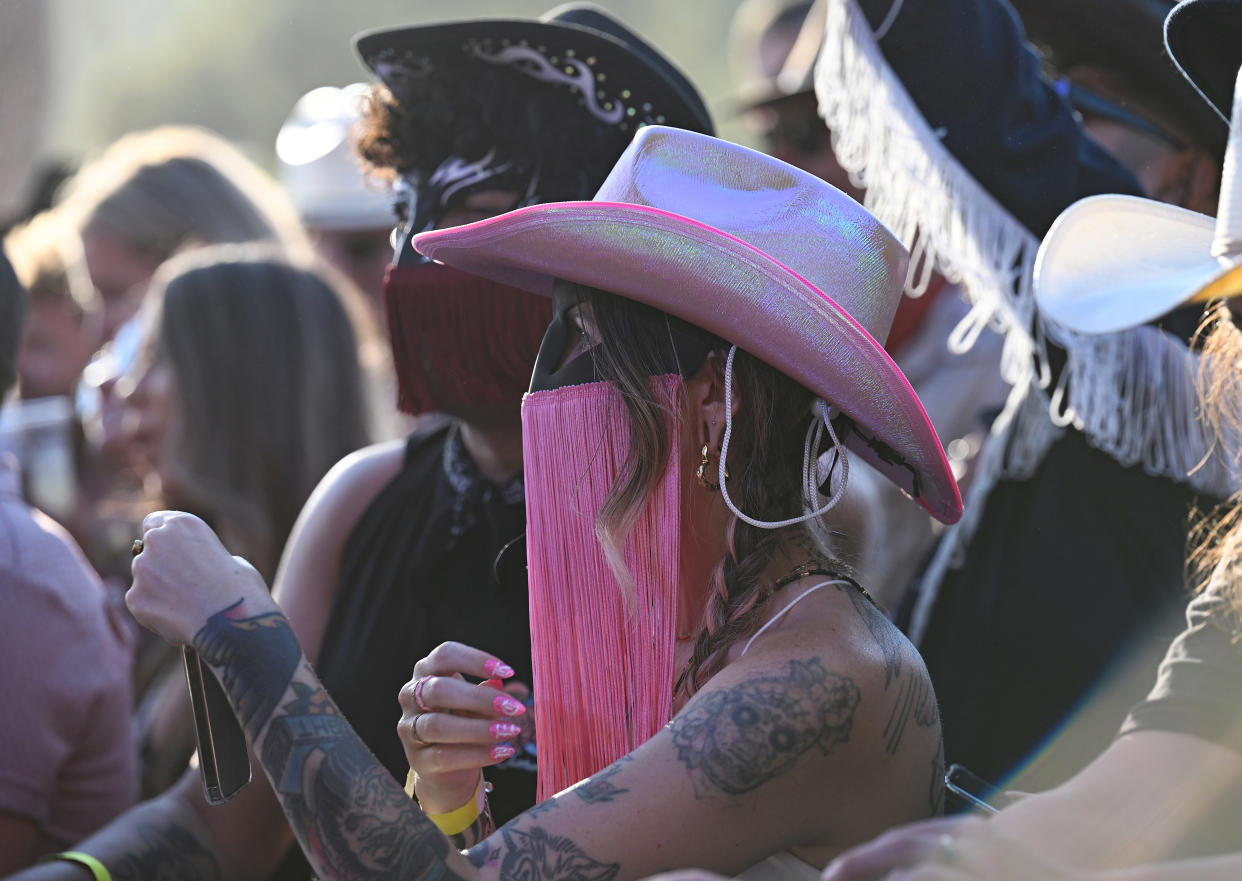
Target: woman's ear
[{"x": 705, "y": 393}]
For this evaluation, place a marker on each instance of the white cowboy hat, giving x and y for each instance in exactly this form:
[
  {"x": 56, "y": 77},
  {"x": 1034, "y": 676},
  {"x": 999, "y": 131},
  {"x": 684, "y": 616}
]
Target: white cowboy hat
[
  {"x": 318, "y": 166},
  {"x": 1110, "y": 263}
]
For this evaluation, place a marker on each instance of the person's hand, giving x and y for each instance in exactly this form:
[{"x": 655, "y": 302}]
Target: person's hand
[
  {"x": 452, "y": 729},
  {"x": 947, "y": 849},
  {"x": 183, "y": 576}
]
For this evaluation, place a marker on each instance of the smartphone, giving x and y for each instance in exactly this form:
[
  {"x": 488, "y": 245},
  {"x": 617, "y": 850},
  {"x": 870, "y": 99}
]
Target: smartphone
[
  {"x": 973, "y": 792},
  {"x": 223, "y": 759}
]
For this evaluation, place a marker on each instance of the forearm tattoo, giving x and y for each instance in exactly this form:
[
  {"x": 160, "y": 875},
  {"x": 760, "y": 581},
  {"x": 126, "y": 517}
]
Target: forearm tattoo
[
  {"x": 168, "y": 852},
  {"x": 599, "y": 787},
  {"x": 738, "y": 739},
  {"x": 254, "y": 671},
  {"x": 482, "y": 827},
  {"x": 533, "y": 855},
  {"x": 351, "y": 818}
]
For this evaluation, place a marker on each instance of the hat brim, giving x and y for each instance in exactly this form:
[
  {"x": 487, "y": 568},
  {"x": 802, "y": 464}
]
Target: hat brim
[
  {"x": 629, "y": 70},
  {"x": 1113, "y": 262},
  {"x": 1204, "y": 39},
  {"x": 1225, "y": 286},
  {"x": 726, "y": 286}
]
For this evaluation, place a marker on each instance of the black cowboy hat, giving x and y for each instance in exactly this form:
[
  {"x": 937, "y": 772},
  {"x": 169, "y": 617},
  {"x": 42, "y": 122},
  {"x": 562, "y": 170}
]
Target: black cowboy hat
[
  {"x": 1126, "y": 35},
  {"x": 1204, "y": 39},
  {"x": 621, "y": 79}
]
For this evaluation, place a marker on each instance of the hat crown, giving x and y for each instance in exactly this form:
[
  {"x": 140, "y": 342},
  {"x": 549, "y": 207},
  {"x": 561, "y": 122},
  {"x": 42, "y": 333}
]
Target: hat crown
[
  {"x": 808, "y": 226},
  {"x": 1227, "y": 243},
  {"x": 317, "y": 165}
]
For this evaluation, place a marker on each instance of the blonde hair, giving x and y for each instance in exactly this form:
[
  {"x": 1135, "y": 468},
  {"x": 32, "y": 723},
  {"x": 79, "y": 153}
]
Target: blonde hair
[
  {"x": 47, "y": 258},
  {"x": 265, "y": 361},
  {"x": 1217, "y": 538},
  {"x": 162, "y": 190}
]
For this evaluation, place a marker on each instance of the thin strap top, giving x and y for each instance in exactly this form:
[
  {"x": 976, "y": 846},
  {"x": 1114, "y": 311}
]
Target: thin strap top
[{"x": 799, "y": 598}]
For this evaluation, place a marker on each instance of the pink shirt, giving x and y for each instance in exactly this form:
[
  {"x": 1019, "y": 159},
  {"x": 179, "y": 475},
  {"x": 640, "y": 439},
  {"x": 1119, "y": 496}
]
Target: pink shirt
[{"x": 67, "y": 759}]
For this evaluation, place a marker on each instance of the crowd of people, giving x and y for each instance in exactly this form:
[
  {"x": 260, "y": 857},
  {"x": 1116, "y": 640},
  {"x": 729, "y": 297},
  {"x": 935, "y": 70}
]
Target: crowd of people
[{"x": 644, "y": 502}]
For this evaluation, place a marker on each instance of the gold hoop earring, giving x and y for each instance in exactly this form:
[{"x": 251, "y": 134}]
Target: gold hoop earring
[{"x": 705, "y": 468}]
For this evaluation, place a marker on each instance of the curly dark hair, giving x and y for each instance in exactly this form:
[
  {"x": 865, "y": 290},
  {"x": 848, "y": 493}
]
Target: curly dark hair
[{"x": 467, "y": 108}]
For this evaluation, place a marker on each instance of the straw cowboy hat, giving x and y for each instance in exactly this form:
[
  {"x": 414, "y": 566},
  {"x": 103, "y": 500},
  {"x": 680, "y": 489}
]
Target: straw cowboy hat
[
  {"x": 749, "y": 248},
  {"x": 1114, "y": 262}
]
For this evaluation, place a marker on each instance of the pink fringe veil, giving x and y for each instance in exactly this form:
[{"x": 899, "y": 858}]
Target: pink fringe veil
[{"x": 602, "y": 651}]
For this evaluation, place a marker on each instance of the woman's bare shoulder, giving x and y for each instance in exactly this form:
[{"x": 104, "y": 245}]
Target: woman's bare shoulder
[
  {"x": 837, "y": 636},
  {"x": 360, "y": 476},
  {"x": 306, "y": 581},
  {"x": 840, "y": 621}
]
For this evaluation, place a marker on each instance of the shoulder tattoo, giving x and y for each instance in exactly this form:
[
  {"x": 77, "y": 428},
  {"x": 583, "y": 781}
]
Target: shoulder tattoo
[{"x": 736, "y": 740}]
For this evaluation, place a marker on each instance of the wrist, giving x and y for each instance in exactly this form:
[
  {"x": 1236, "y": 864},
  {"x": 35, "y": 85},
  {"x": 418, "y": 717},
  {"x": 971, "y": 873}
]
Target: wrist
[
  {"x": 84, "y": 861},
  {"x": 441, "y": 796},
  {"x": 466, "y": 816}
]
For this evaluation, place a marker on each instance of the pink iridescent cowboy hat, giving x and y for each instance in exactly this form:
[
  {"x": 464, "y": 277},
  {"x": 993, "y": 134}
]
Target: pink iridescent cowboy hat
[{"x": 766, "y": 256}]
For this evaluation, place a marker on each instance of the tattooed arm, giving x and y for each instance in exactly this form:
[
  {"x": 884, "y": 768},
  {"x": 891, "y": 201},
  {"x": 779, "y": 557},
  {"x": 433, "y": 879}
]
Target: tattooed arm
[
  {"x": 785, "y": 747},
  {"x": 350, "y": 817}
]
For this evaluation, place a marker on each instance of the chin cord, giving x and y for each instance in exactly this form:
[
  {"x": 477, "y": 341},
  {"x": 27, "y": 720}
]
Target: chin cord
[{"x": 810, "y": 464}]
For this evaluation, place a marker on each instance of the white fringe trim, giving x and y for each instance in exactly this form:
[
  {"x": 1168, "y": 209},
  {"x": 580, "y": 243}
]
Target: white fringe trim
[{"x": 1131, "y": 394}]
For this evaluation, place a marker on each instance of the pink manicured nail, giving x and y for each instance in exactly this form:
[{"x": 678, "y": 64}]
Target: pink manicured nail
[
  {"x": 494, "y": 683},
  {"x": 507, "y": 706},
  {"x": 504, "y": 730},
  {"x": 497, "y": 668},
  {"x": 502, "y": 752}
]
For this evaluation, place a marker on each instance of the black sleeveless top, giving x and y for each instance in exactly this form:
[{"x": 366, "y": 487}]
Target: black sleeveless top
[
  {"x": 420, "y": 568},
  {"x": 1072, "y": 581}
]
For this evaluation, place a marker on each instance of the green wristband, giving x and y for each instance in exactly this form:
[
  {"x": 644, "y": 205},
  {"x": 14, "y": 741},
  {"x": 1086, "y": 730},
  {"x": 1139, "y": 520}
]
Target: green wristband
[{"x": 88, "y": 862}]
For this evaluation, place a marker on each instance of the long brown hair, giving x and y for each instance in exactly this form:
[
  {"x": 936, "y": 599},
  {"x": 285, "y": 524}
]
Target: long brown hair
[
  {"x": 161, "y": 190},
  {"x": 265, "y": 360},
  {"x": 765, "y": 464},
  {"x": 1217, "y": 538}
]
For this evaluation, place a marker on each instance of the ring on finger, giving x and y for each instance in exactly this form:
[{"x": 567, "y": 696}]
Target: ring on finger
[
  {"x": 946, "y": 850},
  {"x": 418, "y": 694},
  {"x": 414, "y": 731}
]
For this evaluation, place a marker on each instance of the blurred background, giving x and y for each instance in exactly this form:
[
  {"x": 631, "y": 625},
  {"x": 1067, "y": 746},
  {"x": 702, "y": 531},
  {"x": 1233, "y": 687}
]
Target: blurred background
[{"x": 79, "y": 73}]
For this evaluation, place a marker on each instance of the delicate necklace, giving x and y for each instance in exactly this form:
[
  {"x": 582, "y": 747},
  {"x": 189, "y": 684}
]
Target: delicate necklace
[{"x": 813, "y": 567}]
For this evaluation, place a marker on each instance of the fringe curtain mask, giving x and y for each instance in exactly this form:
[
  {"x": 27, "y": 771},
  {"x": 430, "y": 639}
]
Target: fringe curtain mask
[
  {"x": 460, "y": 342},
  {"x": 603, "y": 651}
]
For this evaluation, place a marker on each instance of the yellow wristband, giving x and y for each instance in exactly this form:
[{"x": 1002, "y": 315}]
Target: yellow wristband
[
  {"x": 88, "y": 862},
  {"x": 458, "y": 821}
]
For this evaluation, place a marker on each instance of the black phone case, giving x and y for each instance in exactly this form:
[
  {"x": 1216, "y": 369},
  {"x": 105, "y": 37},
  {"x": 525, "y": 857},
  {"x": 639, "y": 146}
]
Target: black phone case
[{"x": 223, "y": 759}]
